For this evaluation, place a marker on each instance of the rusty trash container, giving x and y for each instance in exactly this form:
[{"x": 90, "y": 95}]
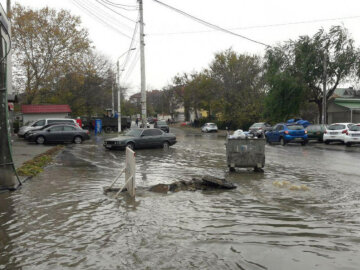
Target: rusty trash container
[{"x": 245, "y": 153}]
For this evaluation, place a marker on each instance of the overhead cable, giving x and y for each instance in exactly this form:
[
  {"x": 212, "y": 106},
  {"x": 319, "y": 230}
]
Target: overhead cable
[
  {"x": 130, "y": 47},
  {"x": 124, "y": 7},
  {"x": 93, "y": 15},
  {"x": 213, "y": 26},
  {"x": 261, "y": 26},
  {"x": 106, "y": 16},
  {"x": 101, "y": 3}
]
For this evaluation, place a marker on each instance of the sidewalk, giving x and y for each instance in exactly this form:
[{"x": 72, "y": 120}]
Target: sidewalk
[{"x": 23, "y": 151}]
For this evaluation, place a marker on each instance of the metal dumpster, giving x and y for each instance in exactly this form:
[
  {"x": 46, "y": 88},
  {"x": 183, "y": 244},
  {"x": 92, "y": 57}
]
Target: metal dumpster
[{"x": 245, "y": 153}]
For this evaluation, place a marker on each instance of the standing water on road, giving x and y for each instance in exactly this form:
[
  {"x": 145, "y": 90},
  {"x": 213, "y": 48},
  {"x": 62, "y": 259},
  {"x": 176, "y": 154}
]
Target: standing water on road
[{"x": 61, "y": 219}]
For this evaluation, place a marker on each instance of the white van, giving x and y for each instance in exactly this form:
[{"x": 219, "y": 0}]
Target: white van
[{"x": 43, "y": 122}]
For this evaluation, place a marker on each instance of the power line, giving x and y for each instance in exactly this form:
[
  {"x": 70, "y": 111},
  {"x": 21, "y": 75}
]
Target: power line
[
  {"x": 213, "y": 26},
  {"x": 124, "y": 7},
  {"x": 115, "y": 11},
  {"x": 118, "y": 4},
  {"x": 261, "y": 26},
  {"x": 132, "y": 65},
  {"x": 130, "y": 47},
  {"x": 93, "y": 15},
  {"x": 104, "y": 14}
]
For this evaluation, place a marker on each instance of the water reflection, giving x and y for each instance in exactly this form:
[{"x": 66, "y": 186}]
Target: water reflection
[{"x": 61, "y": 219}]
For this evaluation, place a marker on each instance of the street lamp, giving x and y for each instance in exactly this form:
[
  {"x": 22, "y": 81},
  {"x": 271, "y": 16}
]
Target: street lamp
[{"x": 119, "y": 88}]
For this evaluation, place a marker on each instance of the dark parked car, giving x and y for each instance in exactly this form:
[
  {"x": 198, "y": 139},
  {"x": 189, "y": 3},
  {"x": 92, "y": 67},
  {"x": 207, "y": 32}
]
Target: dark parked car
[
  {"x": 152, "y": 120},
  {"x": 316, "y": 132},
  {"x": 285, "y": 133},
  {"x": 162, "y": 125},
  {"x": 26, "y": 135},
  {"x": 259, "y": 129},
  {"x": 141, "y": 138},
  {"x": 59, "y": 133}
]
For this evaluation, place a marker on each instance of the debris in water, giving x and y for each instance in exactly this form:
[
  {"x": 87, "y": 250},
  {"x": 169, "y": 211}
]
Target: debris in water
[
  {"x": 285, "y": 184},
  {"x": 204, "y": 183}
]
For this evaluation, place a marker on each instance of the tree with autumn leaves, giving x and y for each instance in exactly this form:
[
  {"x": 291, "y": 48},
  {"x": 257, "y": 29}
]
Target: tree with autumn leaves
[{"x": 54, "y": 61}]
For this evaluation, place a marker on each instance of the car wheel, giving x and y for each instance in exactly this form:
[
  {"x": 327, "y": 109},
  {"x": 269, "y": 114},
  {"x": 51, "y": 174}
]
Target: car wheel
[
  {"x": 282, "y": 141},
  {"x": 267, "y": 140},
  {"x": 327, "y": 142},
  {"x": 130, "y": 145},
  {"x": 40, "y": 140},
  {"x": 78, "y": 140},
  {"x": 348, "y": 144},
  {"x": 166, "y": 145},
  {"x": 107, "y": 129},
  {"x": 304, "y": 143}
]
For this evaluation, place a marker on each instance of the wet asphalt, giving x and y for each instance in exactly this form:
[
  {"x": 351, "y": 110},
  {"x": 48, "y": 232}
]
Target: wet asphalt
[{"x": 61, "y": 219}]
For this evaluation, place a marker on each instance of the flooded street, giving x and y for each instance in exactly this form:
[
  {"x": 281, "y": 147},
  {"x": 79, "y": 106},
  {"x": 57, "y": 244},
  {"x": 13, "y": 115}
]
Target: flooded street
[{"x": 61, "y": 219}]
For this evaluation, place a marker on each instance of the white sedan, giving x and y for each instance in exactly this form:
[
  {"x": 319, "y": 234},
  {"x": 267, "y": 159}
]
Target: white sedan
[
  {"x": 352, "y": 136},
  {"x": 336, "y": 132},
  {"x": 209, "y": 127}
]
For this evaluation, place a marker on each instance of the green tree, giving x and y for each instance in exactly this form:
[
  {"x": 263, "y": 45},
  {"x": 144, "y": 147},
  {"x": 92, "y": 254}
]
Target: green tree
[
  {"x": 239, "y": 87},
  {"x": 303, "y": 61}
]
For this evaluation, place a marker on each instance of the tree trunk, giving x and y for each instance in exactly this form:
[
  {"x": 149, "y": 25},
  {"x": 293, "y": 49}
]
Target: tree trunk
[{"x": 319, "y": 105}]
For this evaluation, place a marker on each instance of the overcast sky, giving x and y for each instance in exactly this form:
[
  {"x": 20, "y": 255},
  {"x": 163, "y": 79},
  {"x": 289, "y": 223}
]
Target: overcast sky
[{"x": 177, "y": 44}]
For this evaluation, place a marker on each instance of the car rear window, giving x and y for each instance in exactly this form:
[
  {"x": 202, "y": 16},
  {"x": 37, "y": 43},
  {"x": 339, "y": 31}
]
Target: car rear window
[
  {"x": 212, "y": 125},
  {"x": 134, "y": 132},
  {"x": 257, "y": 125},
  {"x": 161, "y": 122},
  {"x": 295, "y": 127},
  {"x": 336, "y": 127},
  {"x": 355, "y": 128}
]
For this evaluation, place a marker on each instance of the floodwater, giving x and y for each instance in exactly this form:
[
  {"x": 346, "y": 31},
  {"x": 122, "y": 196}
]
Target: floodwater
[{"x": 62, "y": 220}]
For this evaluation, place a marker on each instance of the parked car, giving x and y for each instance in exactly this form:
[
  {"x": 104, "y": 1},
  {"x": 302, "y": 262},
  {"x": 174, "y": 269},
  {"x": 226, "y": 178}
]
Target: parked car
[
  {"x": 161, "y": 124},
  {"x": 352, "y": 136},
  {"x": 59, "y": 133},
  {"x": 286, "y": 133},
  {"x": 141, "y": 138},
  {"x": 209, "y": 127},
  {"x": 336, "y": 132},
  {"x": 151, "y": 120},
  {"x": 259, "y": 129},
  {"x": 26, "y": 135},
  {"x": 43, "y": 122},
  {"x": 316, "y": 132}
]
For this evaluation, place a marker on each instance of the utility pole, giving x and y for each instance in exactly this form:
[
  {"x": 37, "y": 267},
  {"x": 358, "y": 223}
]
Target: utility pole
[
  {"x": 142, "y": 63},
  {"x": 112, "y": 100},
  {"x": 323, "y": 120},
  {"x": 8, "y": 8},
  {"x": 7, "y": 167},
  {"x": 119, "y": 97}
]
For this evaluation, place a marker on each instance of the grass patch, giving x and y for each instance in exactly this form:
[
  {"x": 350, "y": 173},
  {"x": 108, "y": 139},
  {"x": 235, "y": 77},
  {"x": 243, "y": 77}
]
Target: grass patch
[{"x": 36, "y": 165}]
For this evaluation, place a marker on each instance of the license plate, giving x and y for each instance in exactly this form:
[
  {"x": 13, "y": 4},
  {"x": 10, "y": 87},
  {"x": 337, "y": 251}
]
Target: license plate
[
  {"x": 333, "y": 133},
  {"x": 298, "y": 139}
]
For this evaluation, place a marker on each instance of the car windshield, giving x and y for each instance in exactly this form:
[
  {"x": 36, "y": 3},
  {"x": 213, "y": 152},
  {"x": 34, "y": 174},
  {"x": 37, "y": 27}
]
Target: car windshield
[
  {"x": 295, "y": 127},
  {"x": 29, "y": 123},
  {"x": 161, "y": 122},
  {"x": 336, "y": 127},
  {"x": 355, "y": 128},
  {"x": 134, "y": 132},
  {"x": 257, "y": 125}
]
